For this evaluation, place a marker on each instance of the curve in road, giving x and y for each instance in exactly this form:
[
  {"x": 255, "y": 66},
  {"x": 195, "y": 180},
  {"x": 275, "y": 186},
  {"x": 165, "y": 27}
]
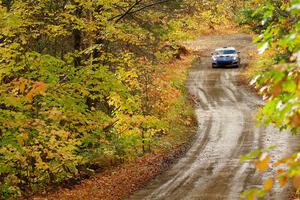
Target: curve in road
[{"x": 211, "y": 169}]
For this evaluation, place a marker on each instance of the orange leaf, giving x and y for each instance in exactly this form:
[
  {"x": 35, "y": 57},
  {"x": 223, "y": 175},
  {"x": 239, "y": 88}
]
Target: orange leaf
[
  {"x": 296, "y": 182},
  {"x": 295, "y": 120},
  {"x": 263, "y": 162},
  {"x": 277, "y": 89},
  {"x": 282, "y": 178},
  {"x": 282, "y": 181},
  {"x": 38, "y": 88},
  {"x": 268, "y": 184},
  {"x": 280, "y": 171},
  {"x": 281, "y": 162}
]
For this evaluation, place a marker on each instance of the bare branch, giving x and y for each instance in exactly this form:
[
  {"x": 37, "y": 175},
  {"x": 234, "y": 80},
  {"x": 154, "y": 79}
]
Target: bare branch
[
  {"x": 131, "y": 11},
  {"x": 121, "y": 16},
  {"x": 149, "y": 5}
]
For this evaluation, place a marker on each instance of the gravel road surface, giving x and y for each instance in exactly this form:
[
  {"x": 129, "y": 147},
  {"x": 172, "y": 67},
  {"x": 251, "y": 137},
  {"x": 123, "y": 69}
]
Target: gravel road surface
[{"x": 211, "y": 169}]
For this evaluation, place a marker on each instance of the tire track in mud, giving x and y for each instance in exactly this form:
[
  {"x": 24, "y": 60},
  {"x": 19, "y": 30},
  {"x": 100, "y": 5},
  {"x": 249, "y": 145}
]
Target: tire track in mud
[{"x": 211, "y": 169}]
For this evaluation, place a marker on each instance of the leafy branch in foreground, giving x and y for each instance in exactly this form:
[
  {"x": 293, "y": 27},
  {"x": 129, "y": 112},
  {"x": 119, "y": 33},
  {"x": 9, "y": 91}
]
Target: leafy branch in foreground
[
  {"x": 277, "y": 79},
  {"x": 285, "y": 169}
]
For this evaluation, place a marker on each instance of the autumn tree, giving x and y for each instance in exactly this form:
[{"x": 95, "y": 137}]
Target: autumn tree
[{"x": 74, "y": 93}]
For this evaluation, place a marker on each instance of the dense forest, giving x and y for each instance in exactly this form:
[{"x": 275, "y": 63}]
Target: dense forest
[
  {"x": 83, "y": 86},
  {"x": 89, "y": 84}
]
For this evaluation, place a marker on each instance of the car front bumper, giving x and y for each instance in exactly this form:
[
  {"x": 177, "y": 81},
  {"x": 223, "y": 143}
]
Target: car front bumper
[{"x": 225, "y": 64}]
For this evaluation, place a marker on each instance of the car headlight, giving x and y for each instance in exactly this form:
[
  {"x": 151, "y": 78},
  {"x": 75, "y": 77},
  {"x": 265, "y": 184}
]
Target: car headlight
[
  {"x": 235, "y": 58},
  {"x": 214, "y": 58}
]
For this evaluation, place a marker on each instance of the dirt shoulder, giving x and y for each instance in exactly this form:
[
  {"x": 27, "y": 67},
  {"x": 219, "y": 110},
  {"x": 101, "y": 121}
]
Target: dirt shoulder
[{"x": 121, "y": 181}]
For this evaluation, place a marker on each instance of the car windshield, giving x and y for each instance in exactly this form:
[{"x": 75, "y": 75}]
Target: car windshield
[{"x": 222, "y": 52}]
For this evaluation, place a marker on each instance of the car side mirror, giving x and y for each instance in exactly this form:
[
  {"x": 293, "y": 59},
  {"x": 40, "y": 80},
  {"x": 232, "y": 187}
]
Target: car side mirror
[
  {"x": 212, "y": 54},
  {"x": 238, "y": 52}
]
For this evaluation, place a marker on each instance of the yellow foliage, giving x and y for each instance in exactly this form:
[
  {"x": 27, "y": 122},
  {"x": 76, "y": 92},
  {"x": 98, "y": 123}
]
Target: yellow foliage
[{"x": 268, "y": 184}]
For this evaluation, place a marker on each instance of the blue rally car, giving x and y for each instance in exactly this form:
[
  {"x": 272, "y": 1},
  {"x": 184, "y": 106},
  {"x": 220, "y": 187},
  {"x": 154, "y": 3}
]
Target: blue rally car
[{"x": 225, "y": 57}]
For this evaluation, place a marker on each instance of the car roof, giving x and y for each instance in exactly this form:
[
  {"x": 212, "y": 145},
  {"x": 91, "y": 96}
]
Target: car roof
[{"x": 225, "y": 48}]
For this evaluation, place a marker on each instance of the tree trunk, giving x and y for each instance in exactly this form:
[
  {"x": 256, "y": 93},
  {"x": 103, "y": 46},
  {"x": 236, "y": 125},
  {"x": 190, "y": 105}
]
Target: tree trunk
[
  {"x": 7, "y": 4},
  {"x": 77, "y": 36}
]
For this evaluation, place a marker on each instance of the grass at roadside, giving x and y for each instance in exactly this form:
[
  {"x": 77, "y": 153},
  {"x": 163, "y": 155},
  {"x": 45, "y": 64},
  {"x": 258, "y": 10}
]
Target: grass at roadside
[{"x": 110, "y": 183}]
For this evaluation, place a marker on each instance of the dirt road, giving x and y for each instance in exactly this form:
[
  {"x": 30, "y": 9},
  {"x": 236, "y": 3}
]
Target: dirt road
[{"x": 211, "y": 168}]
